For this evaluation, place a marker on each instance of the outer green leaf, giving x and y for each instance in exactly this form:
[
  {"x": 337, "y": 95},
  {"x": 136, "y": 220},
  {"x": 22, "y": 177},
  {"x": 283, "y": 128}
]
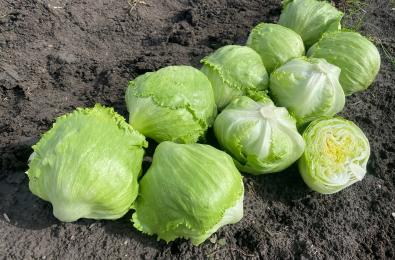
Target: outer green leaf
[
  {"x": 189, "y": 191},
  {"x": 310, "y": 19},
  {"x": 308, "y": 88},
  {"x": 261, "y": 138},
  {"x": 336, "y": 155},
  {"x": 358, "y": 58},
  {"x": 275, "y": 44},
  {"x": 233, "y": 70},
  {"x": 87, "y": 165},
  {"x": 174, "y": 103}
]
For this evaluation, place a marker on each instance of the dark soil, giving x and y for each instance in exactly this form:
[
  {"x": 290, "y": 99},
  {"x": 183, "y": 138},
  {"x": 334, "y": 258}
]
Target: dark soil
[{"x": 56, "y": 55}]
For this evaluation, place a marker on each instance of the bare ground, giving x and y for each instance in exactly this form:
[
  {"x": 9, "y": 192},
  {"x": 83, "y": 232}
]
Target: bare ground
[{"x": 58, "y": 55}]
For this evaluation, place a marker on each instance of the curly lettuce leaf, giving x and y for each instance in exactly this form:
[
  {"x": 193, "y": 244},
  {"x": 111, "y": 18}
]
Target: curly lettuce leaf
[
  {"x": 175, "y": 103},
  {"x": 189, "y": 192},
  {"x": 308, "y": 88},
  {"x": 357, "y": 57},
  {"x": 261, "y": 137},
  {"x": 233, "y": 70},
  {"x": 87, "y": 165},
  {"x": 310, "y": 19},
  {"x": 275, "y": 44}
]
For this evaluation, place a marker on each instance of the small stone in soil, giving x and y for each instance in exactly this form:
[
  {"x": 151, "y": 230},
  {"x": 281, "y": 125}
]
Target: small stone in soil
[
  {"x": 6, "y": 217},
  {"x": 213, "y": 239},
  {"x": 222, "y": 242}
]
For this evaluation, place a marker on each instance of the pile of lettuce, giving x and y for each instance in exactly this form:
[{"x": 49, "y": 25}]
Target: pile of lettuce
[{"x": 271, "y": 104}]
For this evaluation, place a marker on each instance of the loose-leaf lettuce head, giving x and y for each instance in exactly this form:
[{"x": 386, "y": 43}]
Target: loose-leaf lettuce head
[
  {"x": 308, "y": 88},
  {"x": 261, "y": 137},
  {"x": 336, "y": 155},
  {"x": 357, "y": 57},
  {"x": 87, "y": 165},
  {"x": 175, "y": 103},
  {"x": 310, "y": 18},
  {"x": 190, "y": 191},
  {"x": 275, "y": 44},
  {"x": 233, "y": 71}
]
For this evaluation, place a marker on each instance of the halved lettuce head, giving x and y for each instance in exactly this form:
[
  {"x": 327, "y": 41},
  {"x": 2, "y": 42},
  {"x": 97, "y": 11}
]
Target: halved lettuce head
[
  {"x": 87, "y": 165},
  {"x": 233, "y": 71},
  {"x": 336, "y": 155},
  {"x": 357, "y": 57},
  {"x": 261, "y": 137},
  {"x": 308, "y": 88},
  {"x": 310, "y": 18},
  {"x": 190, "y": 191},
  {"x": 275, "y": 44},
  {"x": 175, "y": 103}
]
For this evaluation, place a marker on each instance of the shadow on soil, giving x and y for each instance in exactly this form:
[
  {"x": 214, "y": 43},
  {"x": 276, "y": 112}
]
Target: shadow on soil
[
  {"x": 23, "y": 209},
  {"x": 124, "y": 227},
  {"x": 18, "y": 205},
  {"x": 284, "y": 186}
]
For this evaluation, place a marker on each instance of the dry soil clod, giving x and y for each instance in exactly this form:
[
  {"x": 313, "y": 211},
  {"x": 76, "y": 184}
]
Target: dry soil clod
[{"x": 6, "y": 217}]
